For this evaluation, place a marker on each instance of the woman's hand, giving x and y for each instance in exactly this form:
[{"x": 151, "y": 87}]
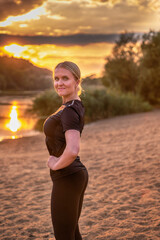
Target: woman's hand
[{"x": 52, "y": 160}]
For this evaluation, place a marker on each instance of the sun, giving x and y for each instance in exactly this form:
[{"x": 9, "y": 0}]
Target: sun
[{"x": 15, "y": 49}]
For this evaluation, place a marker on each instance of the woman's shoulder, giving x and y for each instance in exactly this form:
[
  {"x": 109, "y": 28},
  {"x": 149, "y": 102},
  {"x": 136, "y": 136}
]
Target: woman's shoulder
[
  {"x": 74, "y": 106},
  {"x": 75, "y": 102}
]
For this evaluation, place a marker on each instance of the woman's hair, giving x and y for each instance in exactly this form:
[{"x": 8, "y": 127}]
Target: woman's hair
[{"x": 74, "y": 69}]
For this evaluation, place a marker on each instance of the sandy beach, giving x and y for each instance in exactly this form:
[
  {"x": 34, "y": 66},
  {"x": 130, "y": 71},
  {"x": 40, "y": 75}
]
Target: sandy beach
[{"x": 122, "y": 200}]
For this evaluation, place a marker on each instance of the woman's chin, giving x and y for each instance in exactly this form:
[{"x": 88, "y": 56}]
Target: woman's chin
[{"x": 60, "y": 93}]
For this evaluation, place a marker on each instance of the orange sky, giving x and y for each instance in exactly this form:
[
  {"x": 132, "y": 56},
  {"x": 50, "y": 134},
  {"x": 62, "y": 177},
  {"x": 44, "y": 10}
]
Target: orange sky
[{"x": 61, "y": 19}]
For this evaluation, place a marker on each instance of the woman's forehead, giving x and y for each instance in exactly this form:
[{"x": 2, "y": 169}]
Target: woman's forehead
[{"x": 62, "y": 71}]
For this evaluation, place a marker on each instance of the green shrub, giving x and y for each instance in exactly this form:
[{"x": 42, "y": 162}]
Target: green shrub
[
  {"x": 126, "y": 103},
  {"x": 95, "y": 102},
  {"x": 45, "y": 104},
  {"x": 98, "y": 103}
]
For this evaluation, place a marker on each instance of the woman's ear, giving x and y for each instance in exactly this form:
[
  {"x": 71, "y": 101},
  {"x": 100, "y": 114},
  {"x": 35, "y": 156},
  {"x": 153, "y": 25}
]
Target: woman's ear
[{"x": 78, "y": 82}]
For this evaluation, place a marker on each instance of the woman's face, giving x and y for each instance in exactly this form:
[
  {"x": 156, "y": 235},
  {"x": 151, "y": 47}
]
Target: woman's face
[{"x": 65, "y": 83}]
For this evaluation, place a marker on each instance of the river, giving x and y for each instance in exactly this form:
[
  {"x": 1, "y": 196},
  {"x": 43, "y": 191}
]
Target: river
[{"x": 14, "y": 123}]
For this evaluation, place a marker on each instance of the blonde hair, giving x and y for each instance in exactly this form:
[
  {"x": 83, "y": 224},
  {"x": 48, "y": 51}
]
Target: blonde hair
[{"x": 74, "y": 69}]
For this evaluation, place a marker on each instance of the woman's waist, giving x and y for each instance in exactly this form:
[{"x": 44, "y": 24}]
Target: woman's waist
[
  {"x": 75, "y": 166},
  {"x": 75, "y": 163}
]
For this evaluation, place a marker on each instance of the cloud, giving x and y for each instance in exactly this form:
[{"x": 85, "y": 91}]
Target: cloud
[
  {"x": 17, "y": 7},
  {"x": 89, "y": 17},
  {"x": 77, "y": 39},
  {"x": 142, "y": 3},
  {"x": 103, "y": 18},
  {"x": 33, "y": 14},
  {"x": 108, "y": 2},
  {"x": 149, "y": 5}
]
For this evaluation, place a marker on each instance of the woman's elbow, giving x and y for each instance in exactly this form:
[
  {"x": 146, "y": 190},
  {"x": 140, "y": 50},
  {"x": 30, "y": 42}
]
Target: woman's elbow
[{"x": 73, "y": 151}]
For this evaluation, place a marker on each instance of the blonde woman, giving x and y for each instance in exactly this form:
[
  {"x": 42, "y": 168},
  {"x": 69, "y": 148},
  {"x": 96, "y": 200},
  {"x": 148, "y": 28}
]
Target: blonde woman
[{"x": 63, "y": 131}]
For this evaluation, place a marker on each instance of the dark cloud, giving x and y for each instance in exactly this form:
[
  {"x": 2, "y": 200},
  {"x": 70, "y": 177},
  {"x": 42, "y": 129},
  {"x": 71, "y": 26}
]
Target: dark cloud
[
  {"x": 76, "y": 39},
  {"x": 15, "y": 8},
  {"x": 88, "y": 17}
]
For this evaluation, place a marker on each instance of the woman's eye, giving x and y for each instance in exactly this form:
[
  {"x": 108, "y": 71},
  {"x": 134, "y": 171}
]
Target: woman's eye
[
  {"x": 65, "y": 78},
  {"x": 56, "y": 79}
]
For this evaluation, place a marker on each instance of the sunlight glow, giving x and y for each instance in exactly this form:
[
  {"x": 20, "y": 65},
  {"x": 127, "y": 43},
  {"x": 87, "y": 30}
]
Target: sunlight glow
[
  {"x": 14, "y": 124},
  {"x": 15, "y": 49},
  {"x": 23, "y": 25},
  {"x": 33, "y": 14},
  {"x": 90, "y": 58},
  {"x": 18, "y": 1},
  {"x": 56, "y": 17}
]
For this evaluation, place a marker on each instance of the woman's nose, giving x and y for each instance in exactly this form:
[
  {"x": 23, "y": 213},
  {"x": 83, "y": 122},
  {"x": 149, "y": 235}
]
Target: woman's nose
[{"x": 60, "y": 82}]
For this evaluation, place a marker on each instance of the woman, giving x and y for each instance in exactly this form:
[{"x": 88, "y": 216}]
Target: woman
[{"x": 63, "y": 131}]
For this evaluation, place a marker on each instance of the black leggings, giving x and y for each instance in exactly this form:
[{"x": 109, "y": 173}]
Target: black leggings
[{"x": 66, "y": 204}]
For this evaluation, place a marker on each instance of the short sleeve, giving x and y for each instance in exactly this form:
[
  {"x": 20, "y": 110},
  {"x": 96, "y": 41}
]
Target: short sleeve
[{"x": 70, "y": 119}]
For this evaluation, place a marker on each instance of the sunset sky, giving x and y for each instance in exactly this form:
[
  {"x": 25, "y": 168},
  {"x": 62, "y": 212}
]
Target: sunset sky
[{"x": 84, "y": 31}]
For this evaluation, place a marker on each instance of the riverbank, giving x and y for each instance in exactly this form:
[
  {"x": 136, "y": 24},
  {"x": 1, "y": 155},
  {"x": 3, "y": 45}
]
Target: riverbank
[
  {"x": 122, "y": 156},
  {"x": 20, "y": 92}
]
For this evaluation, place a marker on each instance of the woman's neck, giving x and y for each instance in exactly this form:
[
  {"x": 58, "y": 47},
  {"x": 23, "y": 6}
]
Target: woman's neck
[{"x": 67, "y": 99}]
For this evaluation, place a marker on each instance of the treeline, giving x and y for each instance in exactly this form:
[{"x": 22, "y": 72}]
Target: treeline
[
  {"x": 134, "y": 66},
  {"x": 20, "y": 74}
]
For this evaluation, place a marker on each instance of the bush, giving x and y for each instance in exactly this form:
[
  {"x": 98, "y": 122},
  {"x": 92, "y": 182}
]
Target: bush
[
  {"x": 98, "y": 104},
  {"x": 126, "y": 103},
  {"x": 95, "y": 102},
  {"x": 45, "y": 104}
]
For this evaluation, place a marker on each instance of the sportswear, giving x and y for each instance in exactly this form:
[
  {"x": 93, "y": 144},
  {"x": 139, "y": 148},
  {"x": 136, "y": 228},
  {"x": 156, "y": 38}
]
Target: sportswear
[{"x": 69, "y": 116}]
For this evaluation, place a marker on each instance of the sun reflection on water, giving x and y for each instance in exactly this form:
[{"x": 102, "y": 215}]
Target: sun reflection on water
[{"x": 14, "y": 124}]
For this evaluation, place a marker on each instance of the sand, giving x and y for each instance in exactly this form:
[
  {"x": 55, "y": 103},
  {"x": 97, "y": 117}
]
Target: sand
[{"x": 122, "y": 200}]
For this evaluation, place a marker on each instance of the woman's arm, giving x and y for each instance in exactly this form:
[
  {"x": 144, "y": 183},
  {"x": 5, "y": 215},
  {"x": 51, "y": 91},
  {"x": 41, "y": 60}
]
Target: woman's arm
[{"x": 70, "y": 152}]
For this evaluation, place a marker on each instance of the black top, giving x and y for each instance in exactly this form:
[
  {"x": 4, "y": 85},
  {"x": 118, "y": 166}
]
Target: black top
[{"x": 69, "y": 116}]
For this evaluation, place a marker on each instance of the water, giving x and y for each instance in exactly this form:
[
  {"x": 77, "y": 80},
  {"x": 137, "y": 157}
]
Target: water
[{"x": 14, "y": 123}]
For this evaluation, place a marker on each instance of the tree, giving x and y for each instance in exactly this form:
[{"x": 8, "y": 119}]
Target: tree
[
  {"x": 121, "y": 69},
  {"x": 149, "y": 79}
]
